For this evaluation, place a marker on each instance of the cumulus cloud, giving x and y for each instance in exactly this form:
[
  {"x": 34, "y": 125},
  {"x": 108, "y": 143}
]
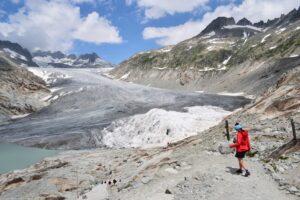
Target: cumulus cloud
[
  {"x": 155, "y": 9},
  {"x": 89, "y": 30},
  {"x": 254, "y": 10},
  {"x": 55, "y": 25}
]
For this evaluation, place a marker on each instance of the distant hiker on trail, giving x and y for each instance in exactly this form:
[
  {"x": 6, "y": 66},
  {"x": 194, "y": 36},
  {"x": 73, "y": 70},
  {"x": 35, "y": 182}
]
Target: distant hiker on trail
[{"x": 242, "y": 145}]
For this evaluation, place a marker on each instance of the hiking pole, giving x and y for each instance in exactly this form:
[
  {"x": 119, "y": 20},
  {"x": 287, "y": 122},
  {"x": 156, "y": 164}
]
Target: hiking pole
[
  {"x": 227, "y": 130},
  {"x": 293, "y": 129}
]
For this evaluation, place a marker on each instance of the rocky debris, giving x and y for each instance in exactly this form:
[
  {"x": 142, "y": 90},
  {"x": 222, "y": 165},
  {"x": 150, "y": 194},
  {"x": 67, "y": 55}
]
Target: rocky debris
[
  {"x": 64, "y": 184},
  {"x": 168, "y": 191},
  {"x": 224, "y": 148},
  {"x": 51, "y": 197},
  {"x": 283, "y": 98}
]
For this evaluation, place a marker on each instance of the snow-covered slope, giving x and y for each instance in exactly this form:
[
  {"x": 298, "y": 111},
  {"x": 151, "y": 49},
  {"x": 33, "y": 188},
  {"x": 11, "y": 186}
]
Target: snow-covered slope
[{"x": 60, "y": 60}]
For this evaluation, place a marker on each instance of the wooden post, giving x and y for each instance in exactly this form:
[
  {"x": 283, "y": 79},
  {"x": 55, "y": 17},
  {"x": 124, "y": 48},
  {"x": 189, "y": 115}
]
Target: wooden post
[
  {"x": 293, "y": 129},
  {"x": 227, "y": 130}
]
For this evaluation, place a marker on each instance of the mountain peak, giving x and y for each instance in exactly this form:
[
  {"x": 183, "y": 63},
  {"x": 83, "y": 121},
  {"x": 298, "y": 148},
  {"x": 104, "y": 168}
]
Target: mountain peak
[
  {"x": 244, "y": 22},
  {"x": 89, "y": 56},
  {"x": 218, "y": 23}
]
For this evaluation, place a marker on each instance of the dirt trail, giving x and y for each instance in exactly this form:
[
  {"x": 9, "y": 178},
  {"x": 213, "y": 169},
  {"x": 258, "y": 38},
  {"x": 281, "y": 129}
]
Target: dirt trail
[{"x": 207, "y": 176}]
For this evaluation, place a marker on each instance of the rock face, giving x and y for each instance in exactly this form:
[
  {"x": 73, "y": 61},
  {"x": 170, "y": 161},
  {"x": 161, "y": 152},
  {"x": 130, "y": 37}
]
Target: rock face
[
  {"x": 19, "y": 89},
  {"x": 244, "y": 22},
  {"x": 218, "y": 24},
  {"x": 17, "y": 54},
  {"x": 60, "y": 60}
]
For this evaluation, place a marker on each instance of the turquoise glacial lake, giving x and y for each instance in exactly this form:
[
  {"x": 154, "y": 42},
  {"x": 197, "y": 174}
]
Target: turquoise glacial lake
[{"x": 13, "y": 157}]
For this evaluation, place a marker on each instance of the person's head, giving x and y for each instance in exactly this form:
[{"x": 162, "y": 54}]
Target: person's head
[{"x": 238, "y": 127}]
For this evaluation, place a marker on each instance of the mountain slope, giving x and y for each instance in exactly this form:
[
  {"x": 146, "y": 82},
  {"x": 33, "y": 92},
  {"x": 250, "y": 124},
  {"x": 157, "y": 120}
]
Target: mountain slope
[
  {"x": 225, "y": 56},
  {"x": 17, "y": 54},
  {"x": 20, "y": 90},
  {"x": 60, "y": 60}
]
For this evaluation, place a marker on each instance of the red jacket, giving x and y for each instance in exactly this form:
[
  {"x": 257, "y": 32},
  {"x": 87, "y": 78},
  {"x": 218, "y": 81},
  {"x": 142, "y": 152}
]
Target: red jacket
[{"x": 242, "y": 141}]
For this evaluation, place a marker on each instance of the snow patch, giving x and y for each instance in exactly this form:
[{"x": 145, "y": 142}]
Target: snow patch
[
  {"x": 240, "y": 26},
  {"x": 280, "y": 31},
  {"x": 14, "y": 54},
  {"x": 206, "y": 69},
  {"x": 210, "y": 48},
  {"x": 19, "y": 116},
  {"x": 222, "y": 68},
  {"x": 226, "y": 61},
  {"x": 51, "y": 78},
  {"x": 298, "y": 28},
  {"x": 166, "y": 49},
  {"x": 231, "y": 94},
  {"x": 159, "y": 127},
  {"x": 273, "y": 47},
  {"x": 211, "y": 33},
  {"x": 199, "y": 91},
  {"x": 294, "y": 55},
  {"x": 208, "y": 35},
  {"x": 125, "y": 76},
  {"x": 160, "y": 68},
  {"x": 264, "y": 38},
  {"x": 245, "y": 35}
]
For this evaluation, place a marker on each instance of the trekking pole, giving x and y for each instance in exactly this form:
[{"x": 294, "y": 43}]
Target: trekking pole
[
  {"x": 227, "y": 130},
  {"x": 293, "y": 129}
]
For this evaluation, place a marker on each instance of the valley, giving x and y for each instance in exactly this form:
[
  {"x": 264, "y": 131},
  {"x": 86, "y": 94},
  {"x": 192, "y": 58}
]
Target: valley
[{"x": 153, "y": 126}]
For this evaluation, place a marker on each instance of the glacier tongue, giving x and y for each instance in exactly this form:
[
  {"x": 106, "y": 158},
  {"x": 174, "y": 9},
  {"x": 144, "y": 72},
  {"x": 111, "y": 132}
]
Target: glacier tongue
[{"x": 159, "y": 127}]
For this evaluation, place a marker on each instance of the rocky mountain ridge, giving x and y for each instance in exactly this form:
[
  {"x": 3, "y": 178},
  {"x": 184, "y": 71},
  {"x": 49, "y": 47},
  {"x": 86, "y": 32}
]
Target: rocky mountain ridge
[
  {"x": 61, "y": 60},
  {"x": 21, "y": 56}
]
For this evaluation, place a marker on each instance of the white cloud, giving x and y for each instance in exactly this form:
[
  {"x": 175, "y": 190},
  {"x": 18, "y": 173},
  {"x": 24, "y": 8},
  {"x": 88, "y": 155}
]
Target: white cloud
[
  {"x": 88, "y": 32},
  {"x": 55, "y": 25},
  {"x": 172, "y": 35},
  {"x": 254, "y": 10},
  {"x": 155, "y": 9}
]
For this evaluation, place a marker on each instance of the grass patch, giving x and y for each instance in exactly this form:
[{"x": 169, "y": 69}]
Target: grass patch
[{"x": 251, "y": 154}]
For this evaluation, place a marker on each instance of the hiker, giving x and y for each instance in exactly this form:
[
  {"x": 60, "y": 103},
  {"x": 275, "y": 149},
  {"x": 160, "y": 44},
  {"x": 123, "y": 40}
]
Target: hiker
[{"x": 242, "y": 145}]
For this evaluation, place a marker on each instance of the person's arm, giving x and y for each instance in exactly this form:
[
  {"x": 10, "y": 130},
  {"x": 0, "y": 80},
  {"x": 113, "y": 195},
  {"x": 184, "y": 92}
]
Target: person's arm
[{"x": 238, "y": 142}]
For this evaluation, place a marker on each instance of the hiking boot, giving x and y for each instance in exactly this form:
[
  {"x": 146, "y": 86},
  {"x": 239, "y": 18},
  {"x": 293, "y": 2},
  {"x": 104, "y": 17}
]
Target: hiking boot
[
  {"x": 239, "y": 171},
  {"x": 247, "y": 173}
]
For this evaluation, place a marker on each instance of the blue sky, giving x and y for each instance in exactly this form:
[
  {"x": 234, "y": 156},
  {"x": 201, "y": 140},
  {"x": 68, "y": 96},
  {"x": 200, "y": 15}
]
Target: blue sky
[{"x": 117, "y": 29}]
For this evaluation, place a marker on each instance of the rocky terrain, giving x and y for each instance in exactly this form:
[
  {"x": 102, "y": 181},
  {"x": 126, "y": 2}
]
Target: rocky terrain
[
  {"x": 189, "y": 169},
  {"x": 60, "y": 60},
  {"x": 20, "y": 90}
]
